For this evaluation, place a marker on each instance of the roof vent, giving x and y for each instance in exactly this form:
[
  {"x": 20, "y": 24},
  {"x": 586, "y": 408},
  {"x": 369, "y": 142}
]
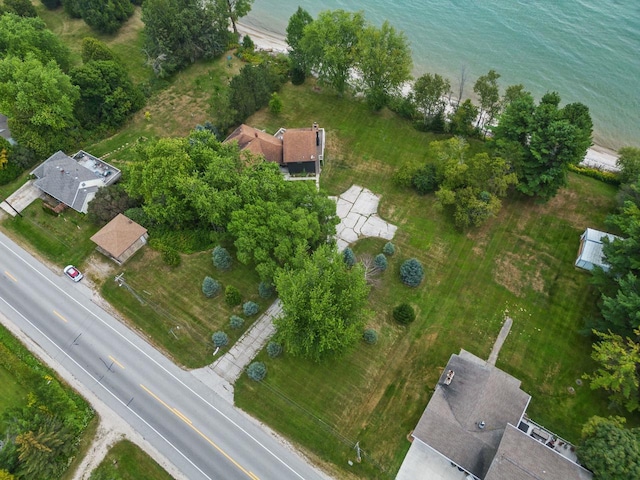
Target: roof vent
[
  {"x": 449, "y": 378},
  {"x": 481, "y": 425}
]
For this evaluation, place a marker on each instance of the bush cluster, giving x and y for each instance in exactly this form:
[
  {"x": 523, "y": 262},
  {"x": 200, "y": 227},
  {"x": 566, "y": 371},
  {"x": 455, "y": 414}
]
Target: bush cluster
[
  {"x": 232, "y": 296},
  {"x": 370, "y": 336},
  {"x": 349, "y": 257},
  {"x": 274, "y": 349},
  {"x": 411, "y": 272},
  {"x": 257, "y": 371},
  {"x": 221, "y": 258},
  {"x": 602, "y": 175},
  {"x": 380, "y": 261},
  {"x": 220, "y": 339},
  {"x": 210, "y": 287},
  {"x": 236, "y": 322},
  {"x": 250, "y": 308},
  {"x": 404, "y": 314},
  {"x": 265, "y": 290}
]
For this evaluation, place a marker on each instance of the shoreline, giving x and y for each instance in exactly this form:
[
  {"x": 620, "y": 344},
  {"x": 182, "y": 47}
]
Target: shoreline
[{"x": 597, "y": 156}]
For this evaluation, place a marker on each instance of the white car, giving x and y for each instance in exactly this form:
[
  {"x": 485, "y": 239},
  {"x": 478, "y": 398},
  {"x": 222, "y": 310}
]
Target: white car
[{"x": 73, "y": 273}]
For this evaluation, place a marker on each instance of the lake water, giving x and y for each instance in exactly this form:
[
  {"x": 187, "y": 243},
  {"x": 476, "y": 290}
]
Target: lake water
[{"x": 586, "y": 50}]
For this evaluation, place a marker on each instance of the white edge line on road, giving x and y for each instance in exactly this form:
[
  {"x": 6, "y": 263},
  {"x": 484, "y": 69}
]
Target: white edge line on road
[
  {"x": 105, "y": 388},
  {"x": 154, "y": 361}
]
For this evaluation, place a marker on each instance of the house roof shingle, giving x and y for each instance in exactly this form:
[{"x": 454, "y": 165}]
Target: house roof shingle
[
  {"x": 521, "y": 457},
  {"x": 257, "y": 142},
  {"x": 479, "y": 392},
  {"x": 118, "y": 235},
  {"x": 66, "y": 180},
  {"x": 299, "y": 145}
]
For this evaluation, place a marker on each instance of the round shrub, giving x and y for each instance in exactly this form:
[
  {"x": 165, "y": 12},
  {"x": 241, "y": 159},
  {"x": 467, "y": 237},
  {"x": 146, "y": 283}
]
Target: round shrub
[
  {"x": 370, "y": 336},
  {"x": 250, "y": 308},
  {"x": 404, "y": 314},
  {"x": 220, "y": 339},
  {"x": 236, "y": 322},
  {"x": 232, "y": 296},
  {"x": 257, "y": 371},
  {"x": 274, "y": 349},
  {"x": 221, "y": 258},
  {"x": 265, "y": 290},
  {"x": 389, "y": 249},
  {"x": 349, "y": 257},
  {"x": 210, "y": 287},
  {"x": 381, "y": 262},
  {"x": 411, "y": 272}
]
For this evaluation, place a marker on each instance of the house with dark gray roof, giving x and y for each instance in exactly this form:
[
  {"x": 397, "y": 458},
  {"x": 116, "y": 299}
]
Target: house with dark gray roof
[
  {"x": 75, "y": 180},
  {"x": 475, "y": 427},
  {"x": 296, "y": 150}
]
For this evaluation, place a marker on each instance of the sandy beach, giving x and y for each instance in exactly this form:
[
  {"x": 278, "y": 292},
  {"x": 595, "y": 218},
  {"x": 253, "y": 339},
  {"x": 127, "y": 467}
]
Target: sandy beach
[{"x": 596, "y": 157}]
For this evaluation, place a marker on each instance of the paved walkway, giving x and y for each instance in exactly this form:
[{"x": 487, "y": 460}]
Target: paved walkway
[
  {"x": 358, "y": 212},
  {"x": 502, "y": 336},
  {"x": 21, "y": 198},
  {"x": 223, "y": 372}
]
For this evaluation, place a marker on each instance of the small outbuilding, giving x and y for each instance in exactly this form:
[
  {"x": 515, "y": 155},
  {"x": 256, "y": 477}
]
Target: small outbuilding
[
  {"x": 120, "y": 239},
  {"x": 590, "y": 254}
]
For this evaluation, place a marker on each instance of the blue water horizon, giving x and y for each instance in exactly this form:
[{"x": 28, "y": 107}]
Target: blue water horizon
[{"x": 586, "y": 50}]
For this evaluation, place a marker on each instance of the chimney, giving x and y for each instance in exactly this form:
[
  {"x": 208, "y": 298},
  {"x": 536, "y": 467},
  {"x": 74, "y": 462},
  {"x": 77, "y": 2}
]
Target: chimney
[{"x": 256, "y": 134}]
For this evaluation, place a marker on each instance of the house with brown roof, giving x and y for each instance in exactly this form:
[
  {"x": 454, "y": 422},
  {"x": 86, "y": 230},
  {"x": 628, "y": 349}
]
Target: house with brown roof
[
  {"x": 298, "y": 151},
  {"x": 120, "y": 238},
  {"x": 475, "y": 428}
]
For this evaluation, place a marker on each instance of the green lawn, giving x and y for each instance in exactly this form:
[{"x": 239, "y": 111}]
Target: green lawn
[
  {"x": 173, "y": 298},
  {"x": 520, "y": 264},
  {"x": 62, "y": 240},
  {"x": 125, "y": 461}
]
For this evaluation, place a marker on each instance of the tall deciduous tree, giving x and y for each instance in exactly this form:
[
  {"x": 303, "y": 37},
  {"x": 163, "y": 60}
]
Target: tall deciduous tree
[
  {"x": 544, "y": 140},
  {"x": 429, "y": 93},
  {"x": 323, "y": 304},
  {"x": 384, "y": 63},
  {"x": 236, "y": 9},
  {"x": 106, "y": 16},
  {"x": 179, "y": 32},
  {"x": 330, "y": 44},
  {"x": 618, "y": 368},
  {"x": 488, "y": 92},
  {"x": 22, "y": 36},
  {"x": 629, "y": 164},
  {"x": 461, "y": 121},
  {"x": 107, "y": 95},
  {"x": 295, "y": 31},
  {"x": 39, "y": 100},
  {"x": 609, "y": 450}
]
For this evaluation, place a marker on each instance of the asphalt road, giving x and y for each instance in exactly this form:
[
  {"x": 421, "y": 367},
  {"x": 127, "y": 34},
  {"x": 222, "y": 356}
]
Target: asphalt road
[{"x": 201, "y": 434}]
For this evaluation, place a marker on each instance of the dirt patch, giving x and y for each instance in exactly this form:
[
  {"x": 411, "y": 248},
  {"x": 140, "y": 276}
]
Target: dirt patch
[
  {"x": 509, "y": 273},
  {"x": 98, "y": 268}
]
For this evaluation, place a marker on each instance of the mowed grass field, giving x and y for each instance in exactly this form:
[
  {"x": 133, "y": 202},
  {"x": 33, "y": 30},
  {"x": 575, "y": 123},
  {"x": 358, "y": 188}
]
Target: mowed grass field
[
  {"x": 519, "y": 264},
  {"x": 126, "y": 461}
]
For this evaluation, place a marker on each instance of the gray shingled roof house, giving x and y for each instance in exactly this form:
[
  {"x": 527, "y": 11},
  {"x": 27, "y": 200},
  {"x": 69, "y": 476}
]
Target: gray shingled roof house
[
  {"x": 75, "y": 180},
  {"x": 476, "y": 421},
  {"x": 298, "y": 150}
]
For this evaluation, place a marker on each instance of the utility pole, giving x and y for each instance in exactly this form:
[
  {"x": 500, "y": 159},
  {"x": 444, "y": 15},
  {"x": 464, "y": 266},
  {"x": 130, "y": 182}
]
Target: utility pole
[{"x": 358, "y": 457}]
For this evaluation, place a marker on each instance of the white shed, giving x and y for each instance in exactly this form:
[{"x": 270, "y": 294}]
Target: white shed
[{"x": 590, "y": 253}]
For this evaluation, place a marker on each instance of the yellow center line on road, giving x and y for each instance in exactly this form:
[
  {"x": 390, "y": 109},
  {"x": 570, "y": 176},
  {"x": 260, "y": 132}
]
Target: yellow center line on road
[
  {"x": 116, "y": 362},
  {"x": 11, "y": 276},
  {"x": 60, "y": 317},
  {"x": 182, "y": 417},
  {"x": 249, "y": 474}
]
